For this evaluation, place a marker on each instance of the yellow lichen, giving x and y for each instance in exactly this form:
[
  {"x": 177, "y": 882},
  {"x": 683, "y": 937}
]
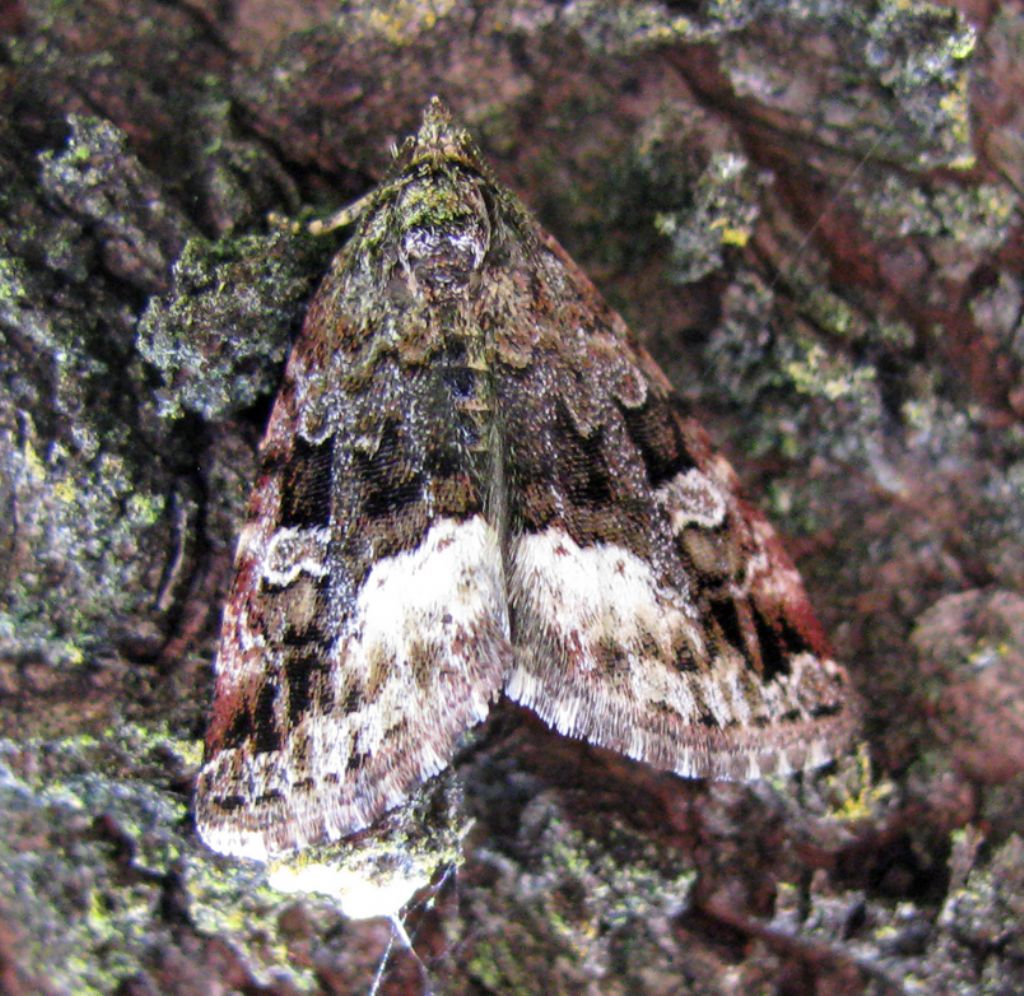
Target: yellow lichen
[
  {"x": 401, "y": 22},
  {"x": 861, "y": 804}
]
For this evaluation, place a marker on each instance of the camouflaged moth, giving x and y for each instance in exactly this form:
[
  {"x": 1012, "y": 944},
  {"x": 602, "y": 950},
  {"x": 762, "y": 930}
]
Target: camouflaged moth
[{"x": 474, "y": 482}]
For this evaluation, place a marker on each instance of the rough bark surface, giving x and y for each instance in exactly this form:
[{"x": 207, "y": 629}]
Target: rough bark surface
[{"x": 812, "y": 217}]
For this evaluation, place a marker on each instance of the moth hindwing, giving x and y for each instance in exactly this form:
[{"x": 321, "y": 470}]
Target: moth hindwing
[{"x": 475, "y": 482}]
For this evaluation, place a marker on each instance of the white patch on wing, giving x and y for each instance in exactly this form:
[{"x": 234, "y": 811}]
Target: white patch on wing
[
  {"x": 426, "y": 648},
  {"x": 599, "y": 643},
  {"x": 451, "y": 580},
  {"x": 239, "y": 637},
  {"x": 576, "y": 604},
  {"x": 292, "y": 551},
  {"x": 598, "y": 593},
  {"x": 445, "y": 601},
  {"x": 226, "y": 838},
  {"x": 693, "y": 499}
]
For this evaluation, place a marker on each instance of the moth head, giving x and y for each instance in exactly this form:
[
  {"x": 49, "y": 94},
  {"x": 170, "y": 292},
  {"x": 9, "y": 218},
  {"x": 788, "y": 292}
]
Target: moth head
[
  {"x": 438, "y": 209},
  {"x": 444, "y": 231}
]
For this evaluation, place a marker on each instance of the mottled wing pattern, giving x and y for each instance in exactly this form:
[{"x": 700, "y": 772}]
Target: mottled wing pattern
[
  {"x": 653, "y": 611},
  {"x": 367, "y": 626},
  {"x": 474, "y": 480}
]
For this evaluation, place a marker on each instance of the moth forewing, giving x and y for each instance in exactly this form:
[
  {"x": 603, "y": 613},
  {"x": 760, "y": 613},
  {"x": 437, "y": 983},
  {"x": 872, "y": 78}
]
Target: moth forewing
[{"x": 474, "y": 481}]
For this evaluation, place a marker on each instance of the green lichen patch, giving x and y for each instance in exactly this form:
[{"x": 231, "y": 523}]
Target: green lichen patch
[
  {"x": 999, "y": 311},
  {"x": 588, "y": 906},
  {"x": 100, "y": 868},
  {"x": 894, "y": 86},
  {"x": 984, "y": 910},
  {"x": 811, "y": 395},
  {"x": 87, "y": 548},
  {"x": 98, "y": 179},
  {"x": 959, "y": 227},
  {"x": 219, "y": 337},
  {"x": 971, "y": 647},
  {"x": 95, "y": 541},
  {"x": 721, "y": 215},
  {"x": 88, "y": 840}
]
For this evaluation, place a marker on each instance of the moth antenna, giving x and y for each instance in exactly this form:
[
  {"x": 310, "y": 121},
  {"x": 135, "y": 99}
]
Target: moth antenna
[{"x": 341, "y": 218}]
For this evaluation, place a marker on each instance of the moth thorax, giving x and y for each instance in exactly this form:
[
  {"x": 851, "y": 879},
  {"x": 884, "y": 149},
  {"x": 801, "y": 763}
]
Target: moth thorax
[{"x": 440, "y": 261}]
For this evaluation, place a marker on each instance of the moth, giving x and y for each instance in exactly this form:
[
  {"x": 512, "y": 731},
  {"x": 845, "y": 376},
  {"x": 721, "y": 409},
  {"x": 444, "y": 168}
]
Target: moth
[{"x": 474, "y": 482}]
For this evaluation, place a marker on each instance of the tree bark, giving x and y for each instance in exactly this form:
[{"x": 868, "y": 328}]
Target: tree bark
[{"x": 811, "y": 219}]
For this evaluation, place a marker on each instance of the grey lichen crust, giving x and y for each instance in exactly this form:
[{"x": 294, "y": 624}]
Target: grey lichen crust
[{"x": 92, "y": 542}]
